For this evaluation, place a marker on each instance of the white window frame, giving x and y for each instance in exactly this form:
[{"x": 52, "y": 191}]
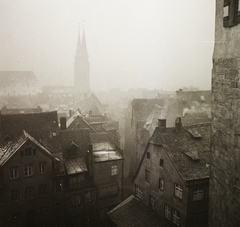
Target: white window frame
[
  {"x": 138, "y": 191},
  {"x": 178, "y": 190},
  {"x": 198, "y": 194},
  {"x": 29, "y": 193},
  {"x": 161, "y": 183},
  {"x": 42, "y": 167},
  {"x": 28, "y": 170},
  {"x": 152, "y": 201},
  {"x": 114, "y": 170},
  {"x": 14, "y": 172},
  {"x": 147, "y": 175},
  {"x": 167, "y": 211},
  {"x": 176, "y": 217}
]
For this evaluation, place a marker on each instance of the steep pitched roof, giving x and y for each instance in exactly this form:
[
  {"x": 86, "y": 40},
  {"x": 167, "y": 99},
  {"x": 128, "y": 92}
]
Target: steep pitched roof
[
  {"x": 42, "y": 126},
  {"x": 77, "y": 115},
  {"x": 9, "y": 146},
  {"x": 188, "y": 149},
  {"x": 85, "y": 102}
]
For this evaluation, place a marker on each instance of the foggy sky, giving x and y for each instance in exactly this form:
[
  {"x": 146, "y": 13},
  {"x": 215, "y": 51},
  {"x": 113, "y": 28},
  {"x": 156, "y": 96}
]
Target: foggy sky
[{"x": 131, "y": 43}]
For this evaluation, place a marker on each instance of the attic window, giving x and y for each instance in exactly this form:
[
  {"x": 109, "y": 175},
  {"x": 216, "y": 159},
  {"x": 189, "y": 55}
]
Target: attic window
[{"x": 194, "y": 133}]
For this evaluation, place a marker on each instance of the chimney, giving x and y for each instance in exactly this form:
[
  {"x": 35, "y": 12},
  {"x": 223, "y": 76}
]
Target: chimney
[
  {"x": 162, "y": 124},
  {"x": 70, "y": 112},
  {"x": 90, "y": 113},
  {"x": 90, "y": 161},
  {"x": 178, "y": 124},
  {"x": 63, "y": 123}
]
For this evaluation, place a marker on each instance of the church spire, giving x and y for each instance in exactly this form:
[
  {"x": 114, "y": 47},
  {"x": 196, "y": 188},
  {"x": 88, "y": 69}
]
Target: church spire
[{"x": 84, "y": 44}]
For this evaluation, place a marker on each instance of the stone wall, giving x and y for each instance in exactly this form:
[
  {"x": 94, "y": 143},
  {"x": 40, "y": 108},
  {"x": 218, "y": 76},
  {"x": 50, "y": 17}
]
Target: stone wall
[{"x": 224, "y": 194}]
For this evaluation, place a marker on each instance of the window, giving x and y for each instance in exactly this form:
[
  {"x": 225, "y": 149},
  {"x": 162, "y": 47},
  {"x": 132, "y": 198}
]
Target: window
[
  {"x": 114, "y": 170},
  {"x": 198, "y": 194},
  {"x": 15, "y": 195},
  {"x": 138, "y": 191},
  {"x": 148, "y": 155},
  {"x": 161, "y": 162},
  {"x": 43, "y": 189},
  {"x": 42, "y": 167},
  {"x": 161, "y": 183},
  {"x": 167, "y": 212},
  {"x": 57, "y": 187},
  {"x": 88, "y": 197},
  {"x": 28, "y": 152},
  {"x": 230, "y": 13},
  {"x": 43, "y": 212},
  {"x": 14, "y": 172},
  {"x": 178, "y": 190},
  {"x": 147, "y": 175},
  {"x": 28, "y": 170},
  {"x": 29, "y": 193},
  {"x": 152, "y": 202},
  {"x": 76, "y": 200},
  {"x": 76, "y": 181},
  {"x": 175, "y": 217}
]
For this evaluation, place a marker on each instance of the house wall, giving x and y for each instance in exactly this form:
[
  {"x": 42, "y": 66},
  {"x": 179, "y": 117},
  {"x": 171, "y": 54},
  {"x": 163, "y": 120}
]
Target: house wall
[
  {"x": 109, "y": 187},
  {"x": 197, "y": 211},
  {"x": 224, "y": 192},
  {"x": 33, "y": 206},
  {"x": 169, "y": 175}
]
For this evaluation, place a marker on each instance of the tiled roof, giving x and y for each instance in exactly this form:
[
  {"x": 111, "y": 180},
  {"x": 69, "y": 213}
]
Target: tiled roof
[
  {"x": 188, "y": 149},
  {"x": 42, "y": 126},
  {"x": 87, "y": 101},
  {"x": 80, "y": 137},
  {"x": 75, "y": 165},
  {"x": 10, "y": 146},
  {"x": 78, "y": 115},
  {"x": 132, "y": 212},
  {"x": 19, "y": 83}
]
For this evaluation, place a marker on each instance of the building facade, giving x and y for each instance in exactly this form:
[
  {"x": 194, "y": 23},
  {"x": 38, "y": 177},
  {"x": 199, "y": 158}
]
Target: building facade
[
  {"x": 173, "y": 176},
  {"x": 224, "y": 203}
]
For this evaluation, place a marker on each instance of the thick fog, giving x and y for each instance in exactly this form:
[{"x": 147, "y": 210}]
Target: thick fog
[{"x": 131, "y": 43}]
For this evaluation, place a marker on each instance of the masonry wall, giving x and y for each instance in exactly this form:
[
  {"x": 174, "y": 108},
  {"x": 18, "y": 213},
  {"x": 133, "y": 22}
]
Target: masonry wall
[
  {"x": 169, "y": 175},
  {"x": 224, "y": 194}
]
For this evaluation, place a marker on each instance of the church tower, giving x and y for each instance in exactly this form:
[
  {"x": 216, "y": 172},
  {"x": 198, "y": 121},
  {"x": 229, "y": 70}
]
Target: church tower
[{"x": 81, "y": 66}]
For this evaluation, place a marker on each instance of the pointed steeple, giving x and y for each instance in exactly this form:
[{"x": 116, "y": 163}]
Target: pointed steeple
[
  {"x": 78, "y": 50},
  {"x": 84, "y": 44}
]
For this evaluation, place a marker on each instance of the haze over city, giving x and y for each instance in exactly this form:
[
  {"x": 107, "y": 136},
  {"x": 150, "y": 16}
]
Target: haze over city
[{"x": 146, "y": 44}]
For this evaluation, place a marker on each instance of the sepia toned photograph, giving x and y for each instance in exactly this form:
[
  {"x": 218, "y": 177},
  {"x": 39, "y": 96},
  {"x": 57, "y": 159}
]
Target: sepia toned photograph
[{"x": 119, "y": 113}]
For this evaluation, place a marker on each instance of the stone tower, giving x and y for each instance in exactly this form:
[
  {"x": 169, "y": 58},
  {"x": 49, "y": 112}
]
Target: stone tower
[
  {"x": 224, "y": 204},
  {"x": 81, "y": 66}
]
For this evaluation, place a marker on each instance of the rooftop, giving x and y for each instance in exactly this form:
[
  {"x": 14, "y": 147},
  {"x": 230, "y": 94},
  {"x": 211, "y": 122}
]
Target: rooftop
[
  {"x": 133, "y": 212},
  {"x": 75, "y": 165},
  {"x": 104, "y": 151},
  {"x": 188, "y": 149},
  {"x": 42, "y": 126}
]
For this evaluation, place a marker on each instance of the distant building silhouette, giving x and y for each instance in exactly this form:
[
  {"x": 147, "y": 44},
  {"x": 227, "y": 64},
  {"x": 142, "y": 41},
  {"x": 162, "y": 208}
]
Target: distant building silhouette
[{"x": 81, "y": 66}]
